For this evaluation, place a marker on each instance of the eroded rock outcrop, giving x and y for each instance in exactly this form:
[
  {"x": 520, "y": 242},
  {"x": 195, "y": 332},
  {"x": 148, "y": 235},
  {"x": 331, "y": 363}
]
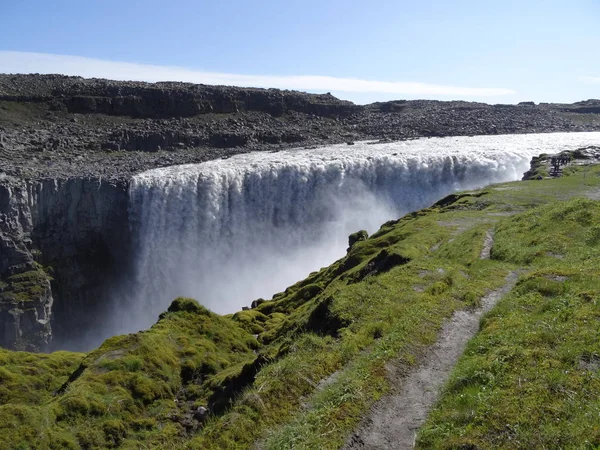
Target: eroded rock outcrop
[
  {"x": 60, "y": 240},
  {"x": 25, "y": 294}
]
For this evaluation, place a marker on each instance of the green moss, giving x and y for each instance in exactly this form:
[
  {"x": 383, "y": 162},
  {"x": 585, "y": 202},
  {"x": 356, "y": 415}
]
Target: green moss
[
  {"x": 90, "y": 438},
  {"x": 25, "y": 287},
  {"x": 252, "y": 320},
  {"x": 187, "y": 305},
  {"x": 361, "y": 235},
  {"x": 114, "y": 432},
  {"x": 31, "y": 379}
]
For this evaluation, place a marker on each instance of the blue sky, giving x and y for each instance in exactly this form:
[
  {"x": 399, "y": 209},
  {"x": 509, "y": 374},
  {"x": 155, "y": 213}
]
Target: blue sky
[{"x": 499, "y": 52}]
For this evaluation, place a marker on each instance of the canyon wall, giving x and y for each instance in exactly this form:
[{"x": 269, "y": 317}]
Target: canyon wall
[{"x": 64, "y": 243}]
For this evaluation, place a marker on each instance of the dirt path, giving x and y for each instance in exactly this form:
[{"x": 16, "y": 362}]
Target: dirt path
[
  {"x": 395, "y": 419},
  {"x": 593, "y": 194},
  {"x": 488, "y": 242}
]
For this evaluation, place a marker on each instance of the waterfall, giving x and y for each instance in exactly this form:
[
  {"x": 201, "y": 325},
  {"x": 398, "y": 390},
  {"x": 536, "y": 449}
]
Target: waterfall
[{"x": 228, "y": 231}]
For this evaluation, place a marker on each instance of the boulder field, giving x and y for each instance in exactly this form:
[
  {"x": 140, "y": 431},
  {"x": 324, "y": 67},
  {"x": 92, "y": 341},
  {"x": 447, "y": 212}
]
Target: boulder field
[{"x": 59, "y": 127}]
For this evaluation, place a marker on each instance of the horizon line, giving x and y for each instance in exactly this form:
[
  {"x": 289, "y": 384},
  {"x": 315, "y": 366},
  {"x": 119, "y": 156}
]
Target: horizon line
[{"x": 47, "y": 63}]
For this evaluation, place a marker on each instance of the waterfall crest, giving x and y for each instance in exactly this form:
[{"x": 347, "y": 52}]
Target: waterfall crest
[{"x": 228, "y": 231}]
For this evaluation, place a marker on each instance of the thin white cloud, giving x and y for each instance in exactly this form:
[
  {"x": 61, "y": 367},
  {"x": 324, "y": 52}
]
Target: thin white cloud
[
  {"x": 22, "y": 62},
  {"x": 590, "y": 80}
]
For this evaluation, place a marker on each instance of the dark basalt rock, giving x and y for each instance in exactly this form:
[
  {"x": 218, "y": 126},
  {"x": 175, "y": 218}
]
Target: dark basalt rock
[
  {"x": 58, "y": 126},
  {"x": 384, "y": 261},
  {"x": 59, "y": 244},
  {"x": 233, "y": 384},
  {"x": 584, "y": 107},
  {"x": 165, "y": 99},
  {"x": 256, "y": 303},
  {"x": 324, "y": 320}
]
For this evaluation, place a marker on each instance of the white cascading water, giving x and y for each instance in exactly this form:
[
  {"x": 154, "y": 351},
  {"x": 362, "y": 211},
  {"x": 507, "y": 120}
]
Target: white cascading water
[{"x": 229, "y": 231}]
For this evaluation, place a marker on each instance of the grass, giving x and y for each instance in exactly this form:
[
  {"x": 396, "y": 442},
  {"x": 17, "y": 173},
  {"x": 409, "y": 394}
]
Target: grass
[
  {"x": 19, "y": 113},
  {"x": 350, "y": 320},
  {"x": 531, "y": 377},
  {"x": 30, "y": 378},
  {"x": 300, "y": 370},
  {"x": 127, "y": 387}
]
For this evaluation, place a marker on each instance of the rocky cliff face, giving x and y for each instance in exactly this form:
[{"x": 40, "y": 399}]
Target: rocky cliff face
[
  {"x": 166, "y": 99},
  {"x": 25, "y": 295},
  {"x": 62, "y": 243}
]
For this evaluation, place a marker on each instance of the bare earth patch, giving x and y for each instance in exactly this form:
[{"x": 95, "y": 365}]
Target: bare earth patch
[
  {"x": 593, "y": 194},
  {"x": 488, "y": 241},
  {"x": 394, "y": 420},
  {"x": 503, "y": 213},
  {"x": 507, "y": 188}
]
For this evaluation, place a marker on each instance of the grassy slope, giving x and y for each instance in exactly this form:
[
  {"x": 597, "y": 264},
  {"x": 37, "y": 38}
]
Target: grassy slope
[
  {"x": 319, "y": 427},
  {"x": 30, "y": 378},
  {"x": 531, "y": 377},
  {"x": 322, "y": 347},
  {"x": 133, "y": 389}
]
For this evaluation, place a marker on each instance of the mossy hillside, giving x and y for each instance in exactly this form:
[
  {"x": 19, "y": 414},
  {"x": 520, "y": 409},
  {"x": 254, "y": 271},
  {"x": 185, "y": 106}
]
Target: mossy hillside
[
  {"x": 27, "y": 383},
  {"x": 323, "y": 347},
  {"x": 531, "y": 378},
  {"x": 124, "y": 393},
  {"x": 32, "y": 378},
  {"x": 134, "y": 388}
]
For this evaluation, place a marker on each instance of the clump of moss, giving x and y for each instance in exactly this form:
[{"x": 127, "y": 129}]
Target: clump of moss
[
  {"x": 252, "y": 321},
  {"x": 361, "y": 235},
  {"x": 135, "y": 379},
  {"x": 187, "y": 305},
  {"x": 32, "y": 379},
  {"x": 115, "y": 432},
  {"x": 25, "y": 287}
]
